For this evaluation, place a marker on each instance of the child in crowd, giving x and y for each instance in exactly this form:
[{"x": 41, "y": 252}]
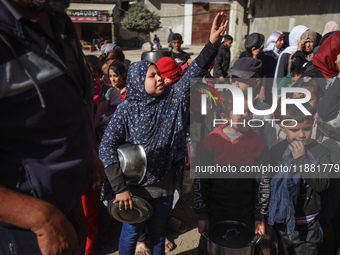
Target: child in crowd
[
  {"x": 316, "y": 95},
  {"x": 157, "y": 43},
  {"x": 107, "y": 100},
  {"x": 314, "y": 89},
  {"x": 290, "y": 79},
  {"x": 153, "y": 116},
  {"x": 245, "y": 74},
  {"x": 117, "y": 76},
  {"x": 110, "y": 54},
  {"x": 223, "y": 59},
  {"x": 171, "y": 72},
  {"x": 295, "y": 196},
  {"x": 180, "y": 56},
  {"x": 243, "y": 200}
]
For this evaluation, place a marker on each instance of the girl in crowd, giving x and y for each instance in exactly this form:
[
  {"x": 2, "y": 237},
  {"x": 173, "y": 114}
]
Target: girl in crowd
[
  {"x": 117, "y": 75},
  {"x": 154, "y": 117}
]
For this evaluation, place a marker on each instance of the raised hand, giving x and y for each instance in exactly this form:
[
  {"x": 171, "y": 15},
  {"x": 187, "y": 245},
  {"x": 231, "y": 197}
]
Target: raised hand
[{"x": 218, "y": 28}]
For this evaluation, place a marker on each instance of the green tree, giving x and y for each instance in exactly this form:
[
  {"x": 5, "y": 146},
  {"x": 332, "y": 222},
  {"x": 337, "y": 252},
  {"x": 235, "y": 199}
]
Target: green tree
[{"x": 140, "y": 19}]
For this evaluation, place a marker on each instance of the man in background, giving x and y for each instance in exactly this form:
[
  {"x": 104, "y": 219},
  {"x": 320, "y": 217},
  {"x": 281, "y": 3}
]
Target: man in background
[{"x": 170, "y": 39}]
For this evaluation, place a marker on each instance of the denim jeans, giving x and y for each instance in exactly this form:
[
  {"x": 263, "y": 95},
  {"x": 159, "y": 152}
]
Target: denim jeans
[{"x": 156, "y": 228}]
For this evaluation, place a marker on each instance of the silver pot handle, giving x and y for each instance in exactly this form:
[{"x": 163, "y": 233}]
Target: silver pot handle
[
  {"x": 257, "y": 246},
  {"x": 258, "y": 240},
  {"x": 204, "y": 235}
]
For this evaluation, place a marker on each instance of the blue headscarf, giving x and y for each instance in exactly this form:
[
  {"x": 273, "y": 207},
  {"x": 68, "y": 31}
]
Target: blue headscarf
[{"x": 157, "y": 123}]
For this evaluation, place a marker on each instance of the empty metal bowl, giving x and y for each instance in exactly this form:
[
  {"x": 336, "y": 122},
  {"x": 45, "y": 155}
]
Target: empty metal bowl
[{"x": 133, "y": 162}]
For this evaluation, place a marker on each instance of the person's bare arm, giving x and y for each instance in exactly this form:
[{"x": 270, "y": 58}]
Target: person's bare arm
[{"x": 54, "y": 232}]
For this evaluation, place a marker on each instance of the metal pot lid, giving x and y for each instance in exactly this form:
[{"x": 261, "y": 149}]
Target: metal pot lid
[
  {"x": 231, "y": 234},
  {"x": 133, "y": 162},
  {"x": 142, "y": 210}
]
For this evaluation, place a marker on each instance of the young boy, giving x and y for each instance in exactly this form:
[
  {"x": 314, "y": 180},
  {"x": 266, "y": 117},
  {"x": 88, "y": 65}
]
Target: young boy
[
  {"x": 295, "y": 200},
  {"x": 243, "y": 200},
  {"x": 316, "y": 95},
  {"x": 177, "y": 54},
  {"x": 223, "y": 59},
  {"x": 290, "y": 79},
  {"x": 245, "y": 74},
  {"x": 157, "y": 43}
]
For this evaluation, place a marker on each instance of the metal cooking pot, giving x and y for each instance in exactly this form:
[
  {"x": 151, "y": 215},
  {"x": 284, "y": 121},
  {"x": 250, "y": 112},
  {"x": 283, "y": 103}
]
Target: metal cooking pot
[
  {"x": 231, "y": 238},
  {"x": 133, "y": 162},
  {"x": 153, "y": 56}
]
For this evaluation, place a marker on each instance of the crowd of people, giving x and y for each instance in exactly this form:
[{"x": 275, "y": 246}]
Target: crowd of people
[{"x": 65, "y": 114}]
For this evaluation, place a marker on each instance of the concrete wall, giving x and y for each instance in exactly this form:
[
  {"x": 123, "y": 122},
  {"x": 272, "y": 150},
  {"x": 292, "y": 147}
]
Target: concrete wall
[
  {"x": 271, "y": 15},
  {"x": 172, "y": 16},
  {"x": 238, "y": 29}
]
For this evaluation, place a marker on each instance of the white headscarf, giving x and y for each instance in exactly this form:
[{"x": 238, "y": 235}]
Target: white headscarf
[
  {"x": 270, "y": 48},
  {"x": 294, "y": 39}
]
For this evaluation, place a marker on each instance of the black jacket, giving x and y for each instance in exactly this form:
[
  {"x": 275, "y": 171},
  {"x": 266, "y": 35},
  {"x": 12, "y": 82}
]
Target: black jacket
[{"x": 222, "y": 62}]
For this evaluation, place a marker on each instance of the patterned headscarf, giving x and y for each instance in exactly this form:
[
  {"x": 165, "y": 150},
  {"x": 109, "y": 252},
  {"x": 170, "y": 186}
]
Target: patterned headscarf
[
  {"x": 156, "y": 123},
  {"x": 325, "y": 56}
]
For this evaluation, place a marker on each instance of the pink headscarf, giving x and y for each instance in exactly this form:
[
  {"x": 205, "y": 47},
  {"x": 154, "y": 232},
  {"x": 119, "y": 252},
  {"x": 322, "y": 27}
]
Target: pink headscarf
[{"x": 330, "y": 27}]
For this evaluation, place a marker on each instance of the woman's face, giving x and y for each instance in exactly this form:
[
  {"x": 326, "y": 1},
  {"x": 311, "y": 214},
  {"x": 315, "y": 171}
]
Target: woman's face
[
  {"x": 279, "y": 43},
  {"x": 115, "y": 79},
  {"x": 309, "y": 45}
]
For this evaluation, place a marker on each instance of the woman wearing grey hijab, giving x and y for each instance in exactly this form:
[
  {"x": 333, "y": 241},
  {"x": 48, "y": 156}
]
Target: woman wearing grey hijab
[{"x": 304, "y": 51}]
